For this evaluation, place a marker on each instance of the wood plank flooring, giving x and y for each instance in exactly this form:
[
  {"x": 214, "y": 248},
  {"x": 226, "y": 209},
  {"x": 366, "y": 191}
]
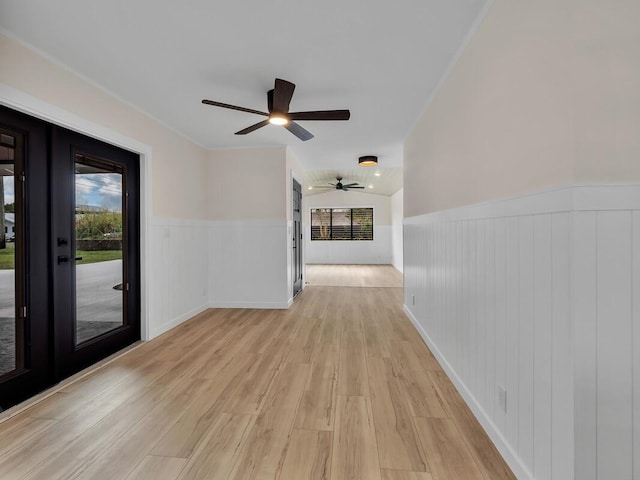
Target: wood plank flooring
[
  {"x": 352, "y": 276},
  {"x": 340, "y": 386}
]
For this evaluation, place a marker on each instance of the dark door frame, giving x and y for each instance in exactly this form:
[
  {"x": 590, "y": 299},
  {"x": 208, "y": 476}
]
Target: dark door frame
[
  {"x": 37, "y": 369},
  {"x": 297, "y": 260},
  {"x": 36, "y": 108},
  {"x": 44, "y": 345},
  {"x": 69, "y": 358}
]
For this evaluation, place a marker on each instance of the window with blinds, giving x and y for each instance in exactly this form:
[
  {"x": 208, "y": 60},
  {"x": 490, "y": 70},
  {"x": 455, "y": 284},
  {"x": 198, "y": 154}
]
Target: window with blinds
[{"x": 342, "y": 224}]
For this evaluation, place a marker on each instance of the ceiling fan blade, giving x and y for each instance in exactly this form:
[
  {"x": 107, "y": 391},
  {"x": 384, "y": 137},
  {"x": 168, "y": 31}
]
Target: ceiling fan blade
[
  {"x": 322, "y": 186},
  {"x": 253, "y": 127},
  {"x": 356, "y": 187},
  {"x": 270, "y": 101},
  {"x": 282, "y": 93},
  {"x": 298, "y": 131},
  {"x": 321, "y": 115},
  {"x": 233, "y": 107},
  {"x": 351, "y": 184}
]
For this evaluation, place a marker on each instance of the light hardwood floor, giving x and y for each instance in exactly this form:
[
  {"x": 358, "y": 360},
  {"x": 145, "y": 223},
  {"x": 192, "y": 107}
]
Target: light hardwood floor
[
  {"x": 353, "y": 276},
  {"x": 340, "y": 386}
]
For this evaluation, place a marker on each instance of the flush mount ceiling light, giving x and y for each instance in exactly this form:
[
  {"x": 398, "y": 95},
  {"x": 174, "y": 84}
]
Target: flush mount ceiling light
[{"x": 368, "y": 161}]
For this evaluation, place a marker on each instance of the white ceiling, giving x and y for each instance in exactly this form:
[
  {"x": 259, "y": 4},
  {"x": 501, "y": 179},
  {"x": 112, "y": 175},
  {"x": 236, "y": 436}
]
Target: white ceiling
[
  {"x": 381, "y": 59},
  {"x": 387, "y": 181}
]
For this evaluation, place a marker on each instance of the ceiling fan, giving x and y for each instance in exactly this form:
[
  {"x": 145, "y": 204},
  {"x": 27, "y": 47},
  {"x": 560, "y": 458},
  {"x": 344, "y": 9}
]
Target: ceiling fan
[
  {"x": 340, "y": 186},
  {"x": 278, "y": 100}
]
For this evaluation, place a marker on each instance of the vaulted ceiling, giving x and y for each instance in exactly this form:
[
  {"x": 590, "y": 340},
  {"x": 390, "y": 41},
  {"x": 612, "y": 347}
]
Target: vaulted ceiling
[{"x": 380, "y": 59}]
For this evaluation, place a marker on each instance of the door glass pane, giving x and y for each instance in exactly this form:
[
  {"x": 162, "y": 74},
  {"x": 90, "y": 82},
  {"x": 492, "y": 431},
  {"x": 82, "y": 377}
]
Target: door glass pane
[
  {"x": 11, "y": 334},
  {"x": 98, "y": 257}
]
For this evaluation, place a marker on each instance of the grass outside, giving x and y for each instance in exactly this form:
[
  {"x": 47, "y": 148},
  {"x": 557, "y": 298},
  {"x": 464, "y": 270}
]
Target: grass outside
[
  {"x": 98, "y": 256},
  {"x": 7, "y": 256}
]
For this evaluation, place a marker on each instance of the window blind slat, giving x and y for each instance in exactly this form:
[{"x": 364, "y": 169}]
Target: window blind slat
[{"x": 342, "y": 224}]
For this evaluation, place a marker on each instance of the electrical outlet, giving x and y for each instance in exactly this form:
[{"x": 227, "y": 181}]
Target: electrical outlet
[{"x": 502, "y": 398}]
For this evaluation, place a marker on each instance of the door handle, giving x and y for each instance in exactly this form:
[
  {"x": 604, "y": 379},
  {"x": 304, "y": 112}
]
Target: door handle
[{"x": 65, "y": 259}]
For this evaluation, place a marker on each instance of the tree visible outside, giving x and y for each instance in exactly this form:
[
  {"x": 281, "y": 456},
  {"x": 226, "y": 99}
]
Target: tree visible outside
[
  {"x": 99, "y": 225},
  {"x": 89, "y": 226},
  {"x": 342, "y": 224},
  {"x": 322, "y": 220},
  {"x": 363, "y": 224}
]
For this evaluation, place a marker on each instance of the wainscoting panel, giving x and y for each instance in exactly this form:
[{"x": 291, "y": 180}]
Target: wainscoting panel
[
  {"x": 635, "y": 244},
  {"x": 562, "y": 387},
  {"x": 531, "y": 304},
  {"x": 614, "y": 345},
  {"x": 178, "y": 268},
  {"x": 248, "y": 264},
  {"x": 377, "y": 251},
  {"x": 195, "y": 265}
]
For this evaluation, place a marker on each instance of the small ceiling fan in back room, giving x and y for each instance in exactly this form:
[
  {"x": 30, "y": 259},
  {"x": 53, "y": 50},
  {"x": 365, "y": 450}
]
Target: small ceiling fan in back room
[
  {"x": 340, "y": 186},
  {"x": 278, "y": 100}
]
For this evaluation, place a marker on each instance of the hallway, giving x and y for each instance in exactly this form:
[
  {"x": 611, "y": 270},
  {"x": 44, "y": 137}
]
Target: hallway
[{"x": 339, "y": 387}]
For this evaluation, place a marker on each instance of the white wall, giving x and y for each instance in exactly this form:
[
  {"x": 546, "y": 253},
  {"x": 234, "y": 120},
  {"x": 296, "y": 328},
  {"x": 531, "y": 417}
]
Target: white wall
[
  {"x": 247, "y": 184},
  {"x": 248, "y": 264},
  {"x": 248, "y": 245},
  {"x": 378, "y": 251},
  {"x": 546, "y": 93},
  {"x": 397, "y": 214},
  {"x": 178, "y": 272},
  {"x": 540, "y": 295}
]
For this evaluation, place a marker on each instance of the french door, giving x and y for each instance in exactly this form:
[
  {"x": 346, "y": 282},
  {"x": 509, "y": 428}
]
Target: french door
[
  {"x": 69, "y": 264},
  {"x": 95, "y": 249}
]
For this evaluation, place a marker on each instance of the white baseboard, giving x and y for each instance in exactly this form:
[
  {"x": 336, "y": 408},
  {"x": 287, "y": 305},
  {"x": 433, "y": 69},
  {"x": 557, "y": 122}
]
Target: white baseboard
[
  {"x": 160, "y": 329},
  {"x": 257, "y": 305},
  {"x": 519, "y": 470}
]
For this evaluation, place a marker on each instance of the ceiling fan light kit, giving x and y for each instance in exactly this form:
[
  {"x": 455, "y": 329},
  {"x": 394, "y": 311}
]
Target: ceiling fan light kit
[
  {"x": 368, "y": 161},
  {"x": 278, "y": 120},
  {"x": 278, "y": 100}
]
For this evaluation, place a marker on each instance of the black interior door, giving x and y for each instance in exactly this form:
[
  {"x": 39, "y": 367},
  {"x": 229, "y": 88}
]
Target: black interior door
[
  {"x": 69, "y": 253},
  {"x": 297, "y": 238},
  {"x": 95, "y": 242}
]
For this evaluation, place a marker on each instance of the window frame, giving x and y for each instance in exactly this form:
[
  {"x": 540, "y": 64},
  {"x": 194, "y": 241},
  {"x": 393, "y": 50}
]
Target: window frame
[{"x": 351, "y": 236}]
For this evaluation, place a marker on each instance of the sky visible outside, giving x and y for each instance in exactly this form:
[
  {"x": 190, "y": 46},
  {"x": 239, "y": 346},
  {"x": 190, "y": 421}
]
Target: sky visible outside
[
  {"x": 99, "y": 190},
  {"x": 93, "y": 189},
  {"x": 8, "y": 189}
]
